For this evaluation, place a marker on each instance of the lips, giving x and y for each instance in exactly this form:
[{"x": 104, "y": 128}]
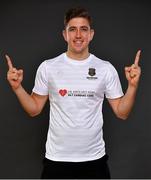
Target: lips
[{"x": 78, "y": 43}]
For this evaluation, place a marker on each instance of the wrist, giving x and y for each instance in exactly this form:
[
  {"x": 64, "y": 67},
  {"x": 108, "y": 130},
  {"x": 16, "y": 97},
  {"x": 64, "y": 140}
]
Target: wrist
[
  {"x": 132, "y": 86},
  {"x": 17, "y": 89}
]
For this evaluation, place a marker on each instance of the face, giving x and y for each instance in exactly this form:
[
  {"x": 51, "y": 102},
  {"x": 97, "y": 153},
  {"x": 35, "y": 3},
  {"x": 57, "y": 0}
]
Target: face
[{"x": 78, "y": 35}]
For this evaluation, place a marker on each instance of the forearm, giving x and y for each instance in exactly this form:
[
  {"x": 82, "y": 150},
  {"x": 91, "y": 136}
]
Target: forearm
[
  {"x": 28, "y": 103},
  {"x": 127, "y": 101}
]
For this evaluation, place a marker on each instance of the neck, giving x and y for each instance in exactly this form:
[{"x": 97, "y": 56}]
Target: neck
[{"x": 78, "y": 56}]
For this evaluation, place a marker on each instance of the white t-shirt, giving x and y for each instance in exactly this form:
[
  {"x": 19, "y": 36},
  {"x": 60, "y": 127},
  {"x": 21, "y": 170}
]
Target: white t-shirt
[{"x": 76, "y": 92}]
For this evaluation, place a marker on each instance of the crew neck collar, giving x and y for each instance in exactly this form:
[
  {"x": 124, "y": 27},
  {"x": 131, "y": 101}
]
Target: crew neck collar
[{"x": 77, "y": 62}]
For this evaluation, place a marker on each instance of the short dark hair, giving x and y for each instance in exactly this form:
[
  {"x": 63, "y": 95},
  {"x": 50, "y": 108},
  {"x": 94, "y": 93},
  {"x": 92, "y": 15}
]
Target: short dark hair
[{"x": 77, "y": 12}]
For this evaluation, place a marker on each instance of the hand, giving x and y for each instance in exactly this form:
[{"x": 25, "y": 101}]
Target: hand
[
  {"x": 14, "y": 76},
  {"x": 133, "y": 72}
]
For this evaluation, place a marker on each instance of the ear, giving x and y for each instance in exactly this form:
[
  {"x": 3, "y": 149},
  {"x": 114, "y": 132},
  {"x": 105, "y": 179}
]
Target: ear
[
  {"x": 64, "y": 34},
  {"x": 91, "y": 34}
]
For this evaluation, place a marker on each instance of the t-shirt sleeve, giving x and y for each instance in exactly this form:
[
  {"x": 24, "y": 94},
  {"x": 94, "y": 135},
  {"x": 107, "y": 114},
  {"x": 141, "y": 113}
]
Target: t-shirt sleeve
[
  {"x": 113, "y": 85},
  {"x": 41, "y": 80}
]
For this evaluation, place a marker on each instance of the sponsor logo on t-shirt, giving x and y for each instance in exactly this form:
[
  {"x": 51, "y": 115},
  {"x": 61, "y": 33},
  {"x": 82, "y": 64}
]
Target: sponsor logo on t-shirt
[
  {"x": 92, "y": 74},
  {"x": 76, "y": 93},
  {"x": 62, "y": 92}
]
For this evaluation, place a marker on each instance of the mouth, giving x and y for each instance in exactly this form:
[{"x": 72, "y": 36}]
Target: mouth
[{"x": 78, "y": 42}]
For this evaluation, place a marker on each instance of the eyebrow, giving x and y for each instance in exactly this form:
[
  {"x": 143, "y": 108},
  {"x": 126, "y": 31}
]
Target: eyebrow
[{"x": 80, "y": 27}]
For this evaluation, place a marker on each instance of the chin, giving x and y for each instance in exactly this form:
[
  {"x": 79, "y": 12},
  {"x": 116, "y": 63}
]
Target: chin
[{"x": 78, "y": 51}]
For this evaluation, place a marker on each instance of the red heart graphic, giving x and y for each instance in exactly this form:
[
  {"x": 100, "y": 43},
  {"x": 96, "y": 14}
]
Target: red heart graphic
[{"x": 62, "y": 92}]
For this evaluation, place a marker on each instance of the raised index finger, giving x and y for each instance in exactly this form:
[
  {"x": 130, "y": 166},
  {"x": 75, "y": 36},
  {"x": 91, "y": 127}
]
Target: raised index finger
[
  {"x": 137, "y": 58},
  {"x": 9, "y": 62}
]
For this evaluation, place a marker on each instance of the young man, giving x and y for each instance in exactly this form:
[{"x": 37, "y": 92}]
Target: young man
[{"x": 75, "y": 83}]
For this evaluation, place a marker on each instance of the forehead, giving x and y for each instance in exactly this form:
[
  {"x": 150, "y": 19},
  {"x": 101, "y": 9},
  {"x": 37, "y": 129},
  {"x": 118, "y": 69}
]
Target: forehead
[{"x": 78, "y": 22}]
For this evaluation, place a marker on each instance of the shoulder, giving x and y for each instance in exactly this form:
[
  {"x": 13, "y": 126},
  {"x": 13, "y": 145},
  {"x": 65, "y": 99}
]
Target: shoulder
[
  {"x": 55, "y": 60},
  {"x": 48, "y": 63},
  {"x": 105, "y": 68},
  {"x": 103, "y": 63}
]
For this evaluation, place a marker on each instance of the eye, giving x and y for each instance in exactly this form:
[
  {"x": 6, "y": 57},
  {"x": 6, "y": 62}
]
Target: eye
[
  {"x": 84, "y": 29},
  {"x": 71, "y": 29}
]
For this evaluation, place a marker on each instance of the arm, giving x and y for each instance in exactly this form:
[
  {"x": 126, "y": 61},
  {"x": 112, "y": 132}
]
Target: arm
[
  {"x": 123, "y": 106},
  {"x": 32, "y": 104}
]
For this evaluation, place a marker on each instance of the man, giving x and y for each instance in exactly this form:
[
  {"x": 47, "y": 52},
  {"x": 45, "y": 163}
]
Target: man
[{"x": 75, "y": 83}]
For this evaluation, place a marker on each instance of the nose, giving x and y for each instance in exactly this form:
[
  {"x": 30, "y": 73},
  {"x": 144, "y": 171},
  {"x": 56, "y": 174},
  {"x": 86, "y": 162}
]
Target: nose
[{"x": 78, "y": 33}]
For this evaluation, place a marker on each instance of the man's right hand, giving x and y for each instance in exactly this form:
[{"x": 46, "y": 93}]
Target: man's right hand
[{"x": 14, "y": 76}]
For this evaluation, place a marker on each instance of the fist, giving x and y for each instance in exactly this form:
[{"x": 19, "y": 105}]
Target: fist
[
  {"x": 14, "y": 76},
  {"x": 133, "y": 72}
]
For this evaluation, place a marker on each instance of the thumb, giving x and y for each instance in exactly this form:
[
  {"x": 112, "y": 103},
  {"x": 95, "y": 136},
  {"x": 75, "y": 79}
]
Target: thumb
[
  {"x": 20, "y": 71},
  {"x": 20, "y": 74},
  {"x": 127, "y": 69}
]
